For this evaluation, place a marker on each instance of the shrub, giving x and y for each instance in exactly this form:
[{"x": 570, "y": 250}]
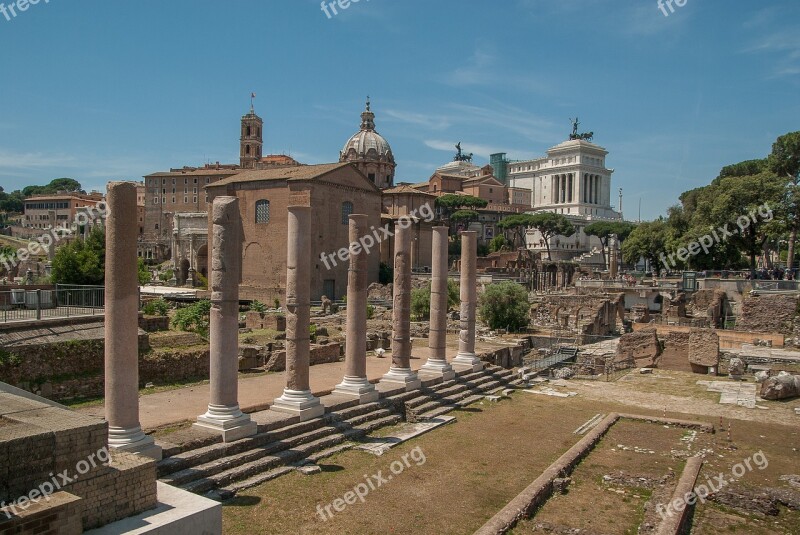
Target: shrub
[
  {"x": 166, "y": 276},
  {"x": 277, "y": 303},
  {"x": 156, "y": 307},
  {"x": 144, "y": 273},
  {"x": 312, "y": 332},
  {"x": 497, "y": 243},
  {"x": 385, "y": 273},
  {"x": 193, "y": 318},
  {"x": 258, "y": 306},
  {"x": 505, "y": 306},
  {"x": 370, "y": 312},
  {"x": 421, "y": 300},
  {"x": 202, "y": 281}
]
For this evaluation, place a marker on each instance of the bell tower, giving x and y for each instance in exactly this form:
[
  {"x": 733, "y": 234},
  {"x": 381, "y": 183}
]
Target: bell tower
[{"x": 251, "y": 141}]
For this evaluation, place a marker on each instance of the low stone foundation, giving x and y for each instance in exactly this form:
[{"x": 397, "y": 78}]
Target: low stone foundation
[{"x": 259, "y": 320}]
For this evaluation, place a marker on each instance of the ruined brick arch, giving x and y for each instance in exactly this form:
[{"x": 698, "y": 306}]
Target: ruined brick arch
[{"x": 582, "y": 313}]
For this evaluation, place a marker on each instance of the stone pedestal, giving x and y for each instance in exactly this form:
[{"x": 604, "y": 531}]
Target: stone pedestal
[
  {"x": 400, "y": 373},
  {"x": 223, "y": 415},
  {"x": 466, "y": 358},
  {"x": 122, "y": 326},
  {"x": 437, "y": 340},
  {"x": 355, "y": 383},
  {"x": 297, "y": 398}
]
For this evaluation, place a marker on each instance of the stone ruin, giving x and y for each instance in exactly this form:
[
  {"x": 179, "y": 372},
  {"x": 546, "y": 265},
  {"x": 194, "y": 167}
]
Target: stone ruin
[
  {"x": 588, "y": 316},
  {"x": 781, "y": 386},
  {"x": 696, "y": 350},
  {"x": 772, "y": 314},
  {"x": 702, "y": 308}
]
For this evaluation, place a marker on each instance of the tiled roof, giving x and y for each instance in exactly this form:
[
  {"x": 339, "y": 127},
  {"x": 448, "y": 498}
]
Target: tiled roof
[{"x": 304, "y": 172}]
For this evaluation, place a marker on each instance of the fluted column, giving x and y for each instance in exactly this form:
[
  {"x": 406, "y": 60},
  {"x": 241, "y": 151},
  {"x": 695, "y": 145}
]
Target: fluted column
[
  {"x": 122, "y": 325},
  {"x": 355, "y": 383},
  {"x": 437, "y": 339},
  {"x": 400, "y": 373},
  {"x": 466, "y": 357},
  {"x": 224, "y": 415},
  {"x": 297, "y": 398}
]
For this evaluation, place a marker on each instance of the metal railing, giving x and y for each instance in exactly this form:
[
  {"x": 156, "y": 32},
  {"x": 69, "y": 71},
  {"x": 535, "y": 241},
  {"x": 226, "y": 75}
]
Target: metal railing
[{"x": 62, "y": 301}]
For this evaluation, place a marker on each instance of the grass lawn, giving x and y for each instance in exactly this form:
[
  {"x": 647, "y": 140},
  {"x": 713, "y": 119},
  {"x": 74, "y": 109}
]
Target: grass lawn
[{"x": 474, "y": 466}]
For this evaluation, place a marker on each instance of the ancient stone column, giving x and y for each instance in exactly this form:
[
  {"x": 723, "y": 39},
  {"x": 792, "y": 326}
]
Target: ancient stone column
[
  {"x": 297, "y": 398},
  {"x": 466, "y": 357},
  {"x": 223, "y": 415},
  {"x": 400, "y": 373},
  {"x": 355, "y": 383},
  {"x": 122, "y": 325},
  {"x": 613, "y": 264},
  {"x": 437, "y": 340}
]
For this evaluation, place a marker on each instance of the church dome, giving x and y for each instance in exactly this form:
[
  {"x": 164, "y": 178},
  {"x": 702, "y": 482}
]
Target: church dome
[{"x": 367, "y": 144}]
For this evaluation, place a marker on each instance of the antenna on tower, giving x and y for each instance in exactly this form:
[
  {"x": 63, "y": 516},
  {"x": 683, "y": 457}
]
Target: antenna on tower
[{"x": 620, "y": 201}]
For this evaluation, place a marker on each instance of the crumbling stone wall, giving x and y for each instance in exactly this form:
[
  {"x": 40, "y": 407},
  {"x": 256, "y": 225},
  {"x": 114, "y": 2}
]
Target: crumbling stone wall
[
  {"x": 675, "y": 355},
  {"x": 643, "y": 346},
  {"x": 703, "y": 350},
  {"x": 258, "y": 320},
  {"x": 74, "y": 369},
  {"x": 711, "y": 304},
  {"x": 772, "y": 313},
  {"x": 587, "y": 315}
]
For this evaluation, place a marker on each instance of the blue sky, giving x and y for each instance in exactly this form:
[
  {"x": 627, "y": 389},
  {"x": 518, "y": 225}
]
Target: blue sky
[{"x": 104, "y": 90}]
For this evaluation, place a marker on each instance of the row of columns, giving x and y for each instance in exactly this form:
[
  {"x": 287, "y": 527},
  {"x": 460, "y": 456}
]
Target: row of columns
[
  {"x": 592, "y": 188},
  {"x": 224, "y": 415},
  {"x": 565, "y": 188}
]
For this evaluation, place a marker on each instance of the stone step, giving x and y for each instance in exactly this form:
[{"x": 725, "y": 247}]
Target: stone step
[
  {"x": 231, "y": 490},
  {"x": 258, "y": 466},
  {"x": 210, "y": 453},
  {"x": 352, "y": 412},
  {"x": 438, "y": 411},
  {"x": 219, "y": 465},
  {"x": 427, "y": 397},
  {"x": 268, "y": 465}
]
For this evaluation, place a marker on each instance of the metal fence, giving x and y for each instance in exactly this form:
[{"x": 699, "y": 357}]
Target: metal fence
[{"x": 22, "y": 304}]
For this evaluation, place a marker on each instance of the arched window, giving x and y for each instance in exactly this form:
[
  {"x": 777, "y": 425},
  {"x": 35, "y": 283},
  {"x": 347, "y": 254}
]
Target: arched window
[
  {"x": 247, "y": 149},
  {"x": 248, "y": 131},
  {"x": 262, "y": 211},
  {"x": 347, "y": 209}
]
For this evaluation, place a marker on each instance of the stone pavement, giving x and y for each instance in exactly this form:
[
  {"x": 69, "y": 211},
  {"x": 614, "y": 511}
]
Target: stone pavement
[{"x": 256, "y": 393}]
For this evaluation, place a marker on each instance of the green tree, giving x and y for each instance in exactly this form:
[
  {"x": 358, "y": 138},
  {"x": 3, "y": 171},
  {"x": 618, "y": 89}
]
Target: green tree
[
  {"x": 448, "y": 205},
  {"x": 517, "y": 224},
  {"x": 194, "y": 318},
  {"x": 421, "y": 300},
  {"x": 549, "y": 224},
  {"x": 649, "y": 241},
  {"x": 505, "y": 305},
  {"x": 12, "y": 202},
  {"x": 498, "y": 243},
  {"x": 605, "y": 229},
  {"x": 144, "y": 273},
  {"x": 733, "y": 202},
  {"x": 81, "y": 261},
  {"x": 784, "y": 161}
]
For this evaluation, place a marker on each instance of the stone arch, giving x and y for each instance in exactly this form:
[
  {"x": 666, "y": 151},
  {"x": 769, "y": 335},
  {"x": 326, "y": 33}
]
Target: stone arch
[{"x": 202, "y": 260}]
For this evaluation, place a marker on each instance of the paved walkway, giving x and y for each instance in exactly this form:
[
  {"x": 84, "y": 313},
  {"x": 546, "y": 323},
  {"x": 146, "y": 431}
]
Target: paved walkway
[{"x": 256, "y": 393}]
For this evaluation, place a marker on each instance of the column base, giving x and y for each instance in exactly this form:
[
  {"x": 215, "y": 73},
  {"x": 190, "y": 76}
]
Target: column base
[
  {"x": 467, "y": 361},
  {"x": 438, "y": 368},
  {"x": 298, "y": 403},
  {"x": 133, "y": 440},
  {"x": 402, "y": 377},
  {"x": 357, "y": 387},
  {"x": 229, "y": 422}
]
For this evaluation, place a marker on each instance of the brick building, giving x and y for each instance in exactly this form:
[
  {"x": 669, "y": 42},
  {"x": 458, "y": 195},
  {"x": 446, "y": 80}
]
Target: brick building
[{"x": 333, "y": 190}]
